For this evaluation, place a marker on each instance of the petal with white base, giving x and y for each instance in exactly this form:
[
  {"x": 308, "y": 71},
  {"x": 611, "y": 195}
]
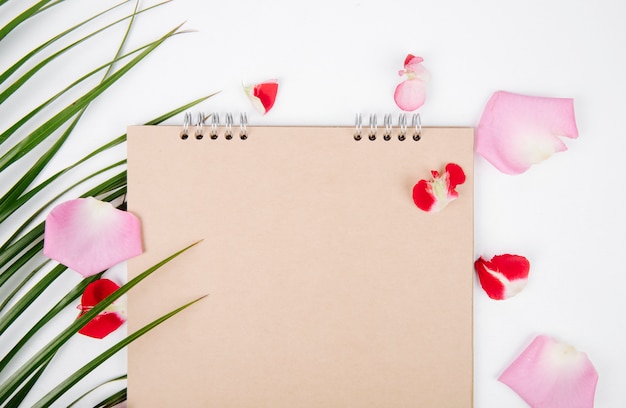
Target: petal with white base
[
  {"x": 517, "y": 131},
  {"x": 89, "y": 236},
  {"x": 503, "y": 276},
  {"x": 549, "y": 374}
]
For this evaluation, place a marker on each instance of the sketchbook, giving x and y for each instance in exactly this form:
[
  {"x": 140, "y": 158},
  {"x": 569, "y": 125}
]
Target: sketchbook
[{"x": 325, "y": 285}]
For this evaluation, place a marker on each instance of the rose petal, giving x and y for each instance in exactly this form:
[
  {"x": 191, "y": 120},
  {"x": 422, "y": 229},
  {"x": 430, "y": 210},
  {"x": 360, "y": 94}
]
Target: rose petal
[
  {"x": 262, "y": 95},
  {"x": 413, "y": 63},
  {"x": 504, "y": 276},
  {"x": 551, "y": 374},
  {"x": 410, "y": 94},
  {"x": 107, "y": 321},
  {"x": 435, "y": 194},
  {"x": 517, "y": 131},
  {"x": 89, "y": 236}
]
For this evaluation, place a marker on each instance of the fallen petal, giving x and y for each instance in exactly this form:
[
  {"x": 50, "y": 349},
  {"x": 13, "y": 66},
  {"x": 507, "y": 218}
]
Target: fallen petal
[
  {"x": 551, "y": 374},
  {"x": 517, "y": 131},
  {"x": 413, "y": 63},
  {"x": 262, "y": 95},
  {"x": 107, "y": 321},
  {"x": 89, "y": 236},
  {"x": 410, "y": 94},
  {"x": 503, "y": 276},
  {"x": 435, "y": 194}
]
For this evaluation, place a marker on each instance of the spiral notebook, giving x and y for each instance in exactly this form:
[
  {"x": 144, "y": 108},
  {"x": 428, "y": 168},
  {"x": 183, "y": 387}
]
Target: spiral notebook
[{"x": 326, "y": 286}]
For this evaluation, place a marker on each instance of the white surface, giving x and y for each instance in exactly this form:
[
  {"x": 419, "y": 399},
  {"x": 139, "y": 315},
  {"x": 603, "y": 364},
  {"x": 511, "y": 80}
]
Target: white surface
[{"x": 338, "y": 57}]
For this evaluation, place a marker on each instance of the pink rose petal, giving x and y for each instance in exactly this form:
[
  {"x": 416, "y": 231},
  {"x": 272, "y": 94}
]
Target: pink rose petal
[
  {"x": 517, "y": 131},
  {"x": 108, "y": 320},
  {"x": 89, "y": 236},
  {"x": 435, "y": 194},
  {"x": 262, "y": 95},
  {"x": 549, "y": 374},
  {"x": 411, "y": 93},
  {"x": 503, "y": 276}
]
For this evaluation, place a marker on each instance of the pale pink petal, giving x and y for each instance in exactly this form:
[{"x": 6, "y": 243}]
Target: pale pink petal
[
  {"x": 262, "y": 95},
  {"x": 410, "y": 94},
  {"x": 504, "y": 276},
  {"x": 89, "y": 236},
  {"x": 549, "y": 374},
  {"x": 517, "y": 131}
]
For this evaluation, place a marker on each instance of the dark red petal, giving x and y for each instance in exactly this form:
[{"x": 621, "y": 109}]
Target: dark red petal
[
  {"x": 491, "y": 285},
  {"x": 408, "y": 59},
  {"x": 102, "y": 325},
  {"x": 423, "y": 196},
  {"x": 96, "y": 291},
  {"x": 266, "y": 92},
  {"x": 456, "y": 175},
  {"x": 512, "y": 266}
]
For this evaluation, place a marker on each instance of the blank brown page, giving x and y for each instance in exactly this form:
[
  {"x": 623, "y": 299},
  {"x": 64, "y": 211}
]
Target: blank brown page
[{"x": 326, "y": 286}]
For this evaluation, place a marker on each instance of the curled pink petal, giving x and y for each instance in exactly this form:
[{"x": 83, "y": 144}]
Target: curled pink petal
[
  {"x": 413, "y": 63},
  {"x": 89, "y": 236},
  {"x": 106, "y": 321},
  {"x": 435, "y": 194},
  {"x": 517, "y": 131},
  {"x": 503, "y": 276},
  {"x": 411, "y": 93},
  {"x": 550, "y": 374},
  {"x": 262, "y": 95}
]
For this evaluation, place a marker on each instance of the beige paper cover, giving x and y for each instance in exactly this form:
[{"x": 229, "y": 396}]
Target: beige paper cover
[{"x": 327, "y": 287}]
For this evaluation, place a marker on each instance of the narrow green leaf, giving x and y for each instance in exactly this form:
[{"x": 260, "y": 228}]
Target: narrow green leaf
[
  {"x": 113, "y": 400},
  {"x": 22, "y": 260},
  {"x": 42, "y": 132},
  {"x": 22, "y": 184},
  {"x": 75, "y": 377},
  {"x": 9, "y": 386},
  {"x": 6, "y": 74},
  {"x": 4, "y": 95},
  {"x": 25, "y": 280},
  {"x": 34, "y": 237},
  {"x": 25, "y": 15},
  {"x": 29, "y": 297},
  {"x": 11, "y": 130},
  {"x": 22, "y": 200},
  {"x": 77, "y": 400},
  {"x": 21, "y": 394},
  {"x": 8, "y": 208},
  {"x": 67, "y": 300}
]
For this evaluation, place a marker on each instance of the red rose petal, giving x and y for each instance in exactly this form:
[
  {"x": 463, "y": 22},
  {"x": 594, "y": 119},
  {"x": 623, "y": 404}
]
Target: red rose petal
[
  {"x": 102, "y": 325},
  {"x": 456, "y": 176},
  {"x": 423, "y": 195},
  {"x": 503, "y": 276},
  {"x": 105, "y": 322},
  {"x": 263, "y": 95},
  {"x": 435, "y": 194}
]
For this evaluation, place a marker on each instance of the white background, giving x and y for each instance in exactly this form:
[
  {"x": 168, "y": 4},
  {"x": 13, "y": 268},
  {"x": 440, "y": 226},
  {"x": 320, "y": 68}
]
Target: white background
[{"x": 335, "y": 58}]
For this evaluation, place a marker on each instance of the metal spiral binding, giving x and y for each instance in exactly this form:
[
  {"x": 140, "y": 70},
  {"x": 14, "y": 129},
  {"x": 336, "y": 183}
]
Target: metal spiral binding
[
  {"x": 199, "y": 126},
  {"x": 416, "y": 124},
  {"x": 214, "y": 130},
  {"x": 228, "y": 131},
  {"x": 373, "y": 127}
]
